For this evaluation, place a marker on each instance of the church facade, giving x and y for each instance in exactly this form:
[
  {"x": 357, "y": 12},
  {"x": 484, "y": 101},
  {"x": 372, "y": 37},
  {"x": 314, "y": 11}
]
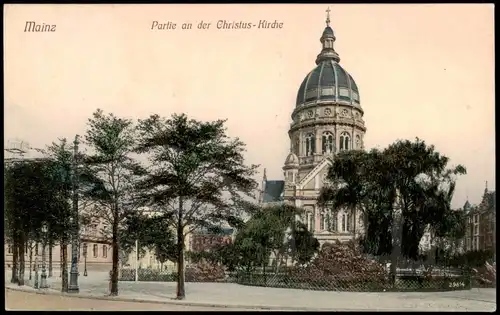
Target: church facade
[{"x": 327, "y": 119}]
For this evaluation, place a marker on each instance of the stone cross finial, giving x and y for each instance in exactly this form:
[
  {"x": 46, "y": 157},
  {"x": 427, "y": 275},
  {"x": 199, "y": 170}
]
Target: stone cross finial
[{"x": 328, "y": 16}]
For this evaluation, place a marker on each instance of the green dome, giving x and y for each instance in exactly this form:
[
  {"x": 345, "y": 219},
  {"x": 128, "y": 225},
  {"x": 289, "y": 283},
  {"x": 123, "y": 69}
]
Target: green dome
[{"x": 328, "y": 81}]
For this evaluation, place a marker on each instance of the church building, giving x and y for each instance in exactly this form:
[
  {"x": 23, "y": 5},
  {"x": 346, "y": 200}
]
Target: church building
[{"x": 327, "y": 119}]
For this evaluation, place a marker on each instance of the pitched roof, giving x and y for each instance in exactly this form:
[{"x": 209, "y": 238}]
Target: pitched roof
[{"x": 273, "y": 190}]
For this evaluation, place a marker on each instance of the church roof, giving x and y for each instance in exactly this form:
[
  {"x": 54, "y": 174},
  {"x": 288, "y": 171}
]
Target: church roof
[
  {"x": 489, "y": 201},
  {"x": 328, "y": 81},
  {"x": 273, "y": 190}
]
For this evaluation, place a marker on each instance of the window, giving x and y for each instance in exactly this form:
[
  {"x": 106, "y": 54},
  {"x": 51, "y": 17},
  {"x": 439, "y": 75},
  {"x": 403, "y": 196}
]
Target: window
[
  {"x": 358, "y": 142},
  {"x": 36, "y": 250},
  {"x": 346, "y": 222},
  {"x": 104, "y": 251},
  {"x": 9, "y": 249},
  {"x": 344, "y": 141},
  {"x": 95, "y": 250},
  {"x": 327, "y": 142},
  {"x": 324, "y": 222},
  {"x": 476, "y": 219},
  {"x": 310, "y": 146},
  {"x": 310, "y": 221},
  {"x": 297, "y": 145}
]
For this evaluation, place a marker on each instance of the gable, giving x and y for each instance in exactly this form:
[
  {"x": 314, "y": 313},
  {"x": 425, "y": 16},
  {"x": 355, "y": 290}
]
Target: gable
[{"x": 310, "y": 179}]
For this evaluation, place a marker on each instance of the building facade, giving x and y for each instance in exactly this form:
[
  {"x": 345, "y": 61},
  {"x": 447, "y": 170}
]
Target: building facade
[
  {"x": 206, "y": 241},
  {"x": 327, "y": 119},
  {"x": 481, "y": 227},
  {"x": 95, "y": 250}
]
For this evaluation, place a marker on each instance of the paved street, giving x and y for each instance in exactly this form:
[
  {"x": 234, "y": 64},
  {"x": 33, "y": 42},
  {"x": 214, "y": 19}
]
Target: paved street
[
  {"x": 15, "y": 300},
  {"x": 245, "y": 297}
]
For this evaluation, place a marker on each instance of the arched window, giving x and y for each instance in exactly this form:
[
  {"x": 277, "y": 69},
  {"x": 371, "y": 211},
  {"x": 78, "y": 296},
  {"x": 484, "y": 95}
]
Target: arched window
[
  {"x": 327, "y": 142},
  {"x": 348, "y": 223},
  {"x": 310, "y": 146},
  {"x": 344, "y": 223},
  {"x": 310, "y": 221},
  {"x": 358, "y": 142},
  {"x": 322, "y": 221},
  {"x": 325, "y": 221},
  {"x": 104, "y": 251},
  {"x": 344, "y": 141}
]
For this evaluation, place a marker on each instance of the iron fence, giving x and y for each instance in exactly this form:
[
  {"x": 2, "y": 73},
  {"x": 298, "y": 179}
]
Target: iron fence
[
  {"x": 337, "y": 267},
  {"x": 314, "y": 279}
]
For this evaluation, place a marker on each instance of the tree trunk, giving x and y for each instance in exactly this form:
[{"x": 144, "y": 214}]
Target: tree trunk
[
  {"x": 51, "y": 246},
  {"x": 181, "y": 292},
  {"x": 15, "y": 256},
  {"x": 31, "y": 258},
  {"x": 64, "y": 265},
  {"x": 22, "y": 244},
  {"x": 115, "y": 246}
]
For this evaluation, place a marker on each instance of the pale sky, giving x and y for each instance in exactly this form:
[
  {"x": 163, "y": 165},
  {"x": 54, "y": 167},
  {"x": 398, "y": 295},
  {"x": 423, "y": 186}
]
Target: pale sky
[{"x": 423, "y": 70}]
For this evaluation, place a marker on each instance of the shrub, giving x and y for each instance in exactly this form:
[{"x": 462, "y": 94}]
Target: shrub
[
  {"x": 343, "y": 266},
  {"x": 150, "y": 275},
  {"x": 204, "y": 272}
]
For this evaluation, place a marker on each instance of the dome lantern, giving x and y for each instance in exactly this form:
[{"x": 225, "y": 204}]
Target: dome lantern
[{"x": 327, "y": 40}]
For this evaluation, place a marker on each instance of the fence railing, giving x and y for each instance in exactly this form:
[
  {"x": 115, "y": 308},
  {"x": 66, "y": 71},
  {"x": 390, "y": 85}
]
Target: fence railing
[{"x": 438, "y": 280}]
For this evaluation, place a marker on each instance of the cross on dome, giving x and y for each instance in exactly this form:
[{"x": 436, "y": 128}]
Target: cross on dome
[{"x": 328, "y": 16}]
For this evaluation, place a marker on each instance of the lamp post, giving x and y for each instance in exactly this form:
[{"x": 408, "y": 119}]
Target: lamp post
[
  {"x": 85, "y": 259},
  {"x": 43, "y": 280},
  {"x": 73, "y": 279}
]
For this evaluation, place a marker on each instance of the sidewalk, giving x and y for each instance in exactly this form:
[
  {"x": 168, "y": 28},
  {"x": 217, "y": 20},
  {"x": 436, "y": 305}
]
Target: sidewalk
[{"x": 231, "y": 295}]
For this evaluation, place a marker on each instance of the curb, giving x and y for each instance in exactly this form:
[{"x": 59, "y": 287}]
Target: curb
[{"x": 171, "y": 302}]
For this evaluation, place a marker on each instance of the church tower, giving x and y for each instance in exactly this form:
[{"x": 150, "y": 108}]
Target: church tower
[{"x": 327, "y": 119}]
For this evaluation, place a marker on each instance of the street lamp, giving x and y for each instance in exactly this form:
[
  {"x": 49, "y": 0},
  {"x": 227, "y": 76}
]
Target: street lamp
[
  {"x": 73, "y": 279},
  {"x": 73, "y": 275},
  {"x": 85, "y": 259},
  {"x": 43, "y": 280},
  {"x": 36, "y": 285}
]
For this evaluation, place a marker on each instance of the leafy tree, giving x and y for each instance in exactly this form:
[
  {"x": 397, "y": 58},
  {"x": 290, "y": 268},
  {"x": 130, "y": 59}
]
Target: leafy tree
[
  {"x": 195, "y": 175},
  {"x": 360, "y": 181},
  {"x": 273, "y": 231},
  {"x": 303, "y": 244},
  {"x": 111, "y": 170},
  {"x": 160, "y": 239},
  {"x": 58, "y": 217},
  {"x": 153, "y": 233},
  {"x": 34, "y": 197},
  {"x": 401, "y": 191}
]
